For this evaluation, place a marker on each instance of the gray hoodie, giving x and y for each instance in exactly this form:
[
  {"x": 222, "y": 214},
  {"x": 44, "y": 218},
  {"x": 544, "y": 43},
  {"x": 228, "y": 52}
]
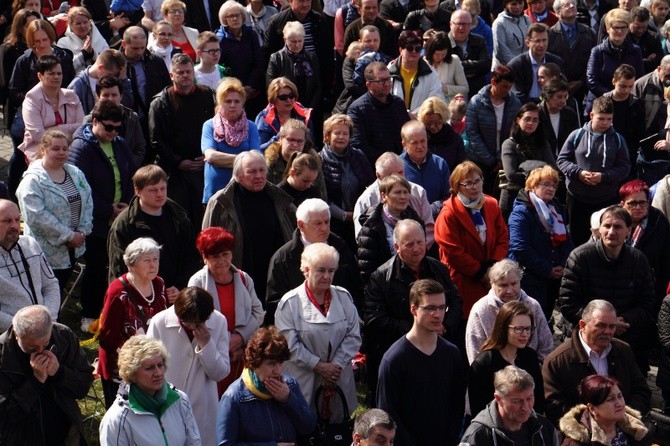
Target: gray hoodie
[{"x": 509, "y": 36}]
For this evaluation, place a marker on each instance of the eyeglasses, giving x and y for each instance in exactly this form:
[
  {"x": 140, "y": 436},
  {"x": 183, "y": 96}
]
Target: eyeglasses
[
  {"x": 413, "y": 48},
  {"x": 111, "y": 128},
  {"x": 618, "y": 28},
  {"x": 233, "y": 16},
  {"x": 471, "y": 184},
  {"x": 216, "y": 51},
  {"x": 434, "y": 308},
  {"x": 637, "y": 204},
  {"x": 518, "y": 329},
  {"x": 548, "y": 185},
  {"x": 176, "y": 11},
  {"x": 381, "y": 81},
  {"x": 286, "y": 97}
]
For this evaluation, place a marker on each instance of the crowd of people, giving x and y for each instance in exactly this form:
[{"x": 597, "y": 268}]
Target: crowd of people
[{"x": 268, "y": 197}]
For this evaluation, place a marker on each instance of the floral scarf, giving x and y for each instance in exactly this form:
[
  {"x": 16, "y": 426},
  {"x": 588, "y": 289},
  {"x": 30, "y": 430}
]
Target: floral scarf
[
  {"x": 233, "y": 133},
  {"x": 301, "y": 65}
]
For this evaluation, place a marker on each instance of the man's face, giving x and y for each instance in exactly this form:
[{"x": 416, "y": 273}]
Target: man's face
[
  {"x": 517, "y": 406},
  {"x": 10, "y": 221},
  {"x": 416, "y": 145},
  {"x": 106, "y": 130},
  {"x": 134, "y": 50},
  {"x": 613, "y": 232},
  {"x": 32, "y": 345},
  {"x": 601, "y": 122},
  {"x": 664, "y": 74},
  {"x": 411, "y": 246},
  {"x": 638, "y": 28},
  {"x": 429, "y": 314},
  {"x": 153, "y": 196},
  {"x": 380, "y": 87},
  {"x": 183, "y": 77},
  {"x": 628, "y": 4},
  {"x": 599, "y": 331},
  {"x": 369, "y": 10},
  {"x": 567, "y": 13},
  {"x": 623, "y": 87},
  {"x": 253, "y": 174},
  {"x": 111, "y": 93},
  {"x": 538, "y": 44},
  {"x": 300, "y": 7},
  {"x": 538, "y": 6},
  {"x": 317, "y": 228},
  {"x": 371, "y": 40},
  {"x": 378, "y": 436},
  {"x": 461, "y": 23}
]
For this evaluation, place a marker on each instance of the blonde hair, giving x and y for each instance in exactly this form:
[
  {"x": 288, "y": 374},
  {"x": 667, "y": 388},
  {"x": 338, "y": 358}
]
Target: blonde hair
[
  {"x": 434, "y": 105},
  {"x": 277, "y": 84},
  {"x": 229, "y": 85},
  {"x": 336, "y": 119},
  {"x": 273, "y": 151},
  {"x": 135, "y": 351},
  {"x": 75, "y": 11},
  {"x": 169, "y": 4},
  {"x": 46, "y": 140},
  {"x": 617, "y": 15}
]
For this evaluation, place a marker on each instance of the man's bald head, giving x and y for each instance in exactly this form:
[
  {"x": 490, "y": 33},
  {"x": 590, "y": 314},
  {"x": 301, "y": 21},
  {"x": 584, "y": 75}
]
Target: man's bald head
[{"x": 10, "y": 223}]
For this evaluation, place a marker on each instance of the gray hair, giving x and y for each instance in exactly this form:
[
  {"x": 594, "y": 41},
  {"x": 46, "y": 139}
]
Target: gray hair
[
  {"x": 384, "y": 160},
  {"x": 665, "y": 28},
  {"x": 666, "y": 59},
  {"x": 316, "y": 251},
  {"x": 180, "y": 59},
  {"x": 370, "y": 419},
  {"x": 33, "y": 321},
  {"x": 512, "y": 378},
  {"x": 242, "y": 157},
  {"x": 229, "y": 6},
  {"x": 503, "y": 268},
  {"x": 596, "y": 305},
  {"x": 406, "y": 223},
  {"x": 294, "y": 28},
  {"x": 138, "y": 248},
  {"x": 311, "y": 206},
  {"x": 558, "y": 3}
]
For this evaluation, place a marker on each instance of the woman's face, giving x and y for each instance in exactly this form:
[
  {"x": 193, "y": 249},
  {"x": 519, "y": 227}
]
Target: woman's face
[
  {"x": 51, "y": 78},
  {"x": 285, "y": 100},
  {"x": 29, "y": 19},
  {"x": 528, "y": 122},
  {"x": 438, "y": 56},
  {"x": 33, "y": 5},
  {"x": 219, "y": 264},
  {"x": 41, "y": 42},
  {"x": 320, "y": 274},
  {"x": 339, "y": 137},
  {"x": 176, "y": 15},
  {"x": 519, "y": 340},
  {"x": 146, "y": 267},
  {"x": 515, "y": 7},
  {"x": 637, "y": 206},
  {"x": 151, "y": 375},
  {"x": 293, "y": 142},
  {"x": 660, "y": 11},
  {"x": 55, "y": 155},
  {"x": 294, "y": 43},
  {"x": 304, "y": 180},
  {"x": 397, "y": 199},
  {"x": 617, "y": 32},
  {"x": 433, "y": 122},
  {"x": 507, "y": 288},
  {"x": 233, "y": 20},
  {"x": 545, "y": 189},
  {"x": 472, "y": 187},
  {"x": 612, "y": 410},
  {"x": 543, "y": 76},
  {"x": 232, "y": 106},
  {"x": 163, "y": 35},
  {"x": 557, "y": 102},
  {"x": 81, "y": 26},
  {"x": 500, "y": 89},
  {"x": 269, "y": 368}
]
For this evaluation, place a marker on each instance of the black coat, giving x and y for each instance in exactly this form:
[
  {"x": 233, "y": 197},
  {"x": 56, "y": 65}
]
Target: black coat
[
  {"x": 568, "y": 122},
  {"x": 476, "y": 63},
  {"x": 655, "y": 244},
  {"x": 578, "y": 55},
  {"x": 524, "y": 75},
  {"x": 196, "y": 14},
  {"x": 157, "y": 77}
]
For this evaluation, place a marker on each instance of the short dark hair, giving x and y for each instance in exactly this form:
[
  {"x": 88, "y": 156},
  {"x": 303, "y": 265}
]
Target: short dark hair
[
  {"x": 554, "y": 86},
  {"x": 603, "y": 105},
  {"x": 108, "y": 81},
  {"x": 106, "y": 110},
  {"x": 640, "y": 14},
  {"x": 617, "y": 211},
  {"x": 45, "y": 63},
  {"x": 193, "y": 305},
  {"x": 624, "y": 71},
  {"x": 502, "y": 73},
  {"x": 536, "y": 27},
  {"x": 266, "y": 343},
  {"x": 148, "y": 176},
  {"x": 595, "y": 389},
  {"x": 409, "y": 37},
  {"x": 437, "y": 42},
  {"x": 424, "y": 287}
]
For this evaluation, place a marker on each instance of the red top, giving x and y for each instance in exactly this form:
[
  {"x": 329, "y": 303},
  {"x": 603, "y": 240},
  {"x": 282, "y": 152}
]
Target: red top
[
  {"x": 186, "y": 48},
  {"x": 226, "y": 297}
]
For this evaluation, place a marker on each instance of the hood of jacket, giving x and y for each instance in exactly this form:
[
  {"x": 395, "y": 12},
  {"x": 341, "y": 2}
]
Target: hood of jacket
[
  {"x": 514, "y": 19},
  {"x": 587, "y": 139},
  {"x": 578, "y": 425},
  {"x": 85, "y": 133},
  {"x": 490, "y": 419}
]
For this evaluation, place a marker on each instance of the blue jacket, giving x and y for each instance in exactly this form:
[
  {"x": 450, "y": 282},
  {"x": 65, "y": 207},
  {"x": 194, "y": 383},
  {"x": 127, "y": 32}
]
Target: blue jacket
[
  {"x": 480, "y": 124},
  {"x": 530, "y": 245},
  {"x": 86, "y": 154},
  {"x": 81, "y": 85},
  {"x": 268, "y": 124},
  {"x": 244, "y": 419},
  {"x": 484, "y": 30},
  {"x": 433, "y": 175}
]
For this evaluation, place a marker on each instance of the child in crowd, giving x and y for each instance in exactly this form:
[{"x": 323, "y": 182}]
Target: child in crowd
[
  {"x": 594, "y": 160},
  {"x": 161, "y": 44},
  {"x": 457, "y": 107},
  {"x": 301, "y": 172},
  {"x": 209, "y": 72},
  {"x": 370, "y": 38}
]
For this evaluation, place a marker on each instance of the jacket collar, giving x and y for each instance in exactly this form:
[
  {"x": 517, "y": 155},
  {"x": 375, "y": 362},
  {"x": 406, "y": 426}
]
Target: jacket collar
[{"x": 578, "y": 425}]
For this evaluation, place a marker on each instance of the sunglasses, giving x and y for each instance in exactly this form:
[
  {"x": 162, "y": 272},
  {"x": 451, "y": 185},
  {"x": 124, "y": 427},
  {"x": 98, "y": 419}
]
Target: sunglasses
[
  {"x": 111, "y": 128},
  {"x": 414, "y": 48},
  {"x": 286, "y": 97}
]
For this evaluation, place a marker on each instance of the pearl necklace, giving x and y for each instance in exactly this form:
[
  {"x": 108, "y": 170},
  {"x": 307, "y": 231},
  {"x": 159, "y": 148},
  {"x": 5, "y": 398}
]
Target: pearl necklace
[{"x": 153, "y": 293}]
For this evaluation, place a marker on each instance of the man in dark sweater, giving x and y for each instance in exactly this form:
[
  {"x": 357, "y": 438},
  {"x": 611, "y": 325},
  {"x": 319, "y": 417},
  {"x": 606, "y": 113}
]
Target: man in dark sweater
[
  {"x": 175, "y": 123},
  {"x": 421, "y": 378}
]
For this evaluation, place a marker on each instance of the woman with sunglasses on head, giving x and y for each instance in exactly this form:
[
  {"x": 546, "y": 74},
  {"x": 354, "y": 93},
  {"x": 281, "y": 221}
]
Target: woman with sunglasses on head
[
  {"x": 414, "y": 80},
  {"x": 507, "y": 345}
]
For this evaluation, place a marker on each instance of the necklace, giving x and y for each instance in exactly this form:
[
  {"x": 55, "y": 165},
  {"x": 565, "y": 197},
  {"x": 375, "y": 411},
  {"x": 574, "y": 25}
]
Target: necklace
[{"x": 131, "y": 279}]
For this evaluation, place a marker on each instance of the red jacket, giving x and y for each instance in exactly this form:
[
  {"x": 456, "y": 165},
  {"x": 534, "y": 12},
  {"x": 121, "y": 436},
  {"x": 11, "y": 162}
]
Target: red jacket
[{"x": 462, "y": 250}]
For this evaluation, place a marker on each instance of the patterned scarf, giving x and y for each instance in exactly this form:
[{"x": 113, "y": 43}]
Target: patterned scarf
[
  {"x": 301, "y": 65},
  {"x": 234, "y": 133},
  {"x": 475, "y": 210},
  {"x": 551, "y": 220}
]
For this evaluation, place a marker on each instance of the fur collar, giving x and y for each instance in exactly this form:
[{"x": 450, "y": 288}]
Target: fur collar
[{"x": 579, "y": 426}]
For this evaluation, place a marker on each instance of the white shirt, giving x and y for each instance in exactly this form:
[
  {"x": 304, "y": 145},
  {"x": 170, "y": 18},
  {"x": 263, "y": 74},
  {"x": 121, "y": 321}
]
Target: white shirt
[{"x": 599, "y": 362}]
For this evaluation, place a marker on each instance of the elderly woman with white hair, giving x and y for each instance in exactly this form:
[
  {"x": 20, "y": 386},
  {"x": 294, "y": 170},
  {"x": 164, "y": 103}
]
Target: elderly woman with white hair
[
  {"x": 130, "y": 303},
  {"x": 505, "y": 277},
  {"x": 296, "y": 64},
  {"x": 147, "y": 409},
  {"x": 321, "y": 324}
]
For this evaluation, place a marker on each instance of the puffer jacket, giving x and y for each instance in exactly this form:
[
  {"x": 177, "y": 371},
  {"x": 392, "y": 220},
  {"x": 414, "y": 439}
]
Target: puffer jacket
[
  {"x": 509, "y": 37},
  {"x": 86, "y": 154},
  {"x": 580, "y": 429},
  {"x": 480, "y": 121},
  {"x": 426, "y": 84},
  {"x": 606, "y": 153},
  {"x": 333, "y": 167},
  {"x": 268, "y": 123},
  {"x": 655, "y": 244},
  {"x": 373, "y": 242},
  {"x": 81, "y": 85},
  {"x": 46, "y": 212}
]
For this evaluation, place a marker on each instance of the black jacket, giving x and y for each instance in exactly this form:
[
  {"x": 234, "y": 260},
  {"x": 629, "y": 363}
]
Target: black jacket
[
  {"x": 578, "y": 55},
  {"x": 655, "y": 244},
  {"x": 650, "y": 44},
  {"x": 476, "y": 62},
  {"x": 438, "y": 21},
  {"x": 196, "y": 14},
  {"x": 309, "y": 87},
  {"x": 157, "y": 77},
  {"x": 566, "y": 124},
  {"x": 523, "y": 74},
  {"x": 395, "y": 11}
]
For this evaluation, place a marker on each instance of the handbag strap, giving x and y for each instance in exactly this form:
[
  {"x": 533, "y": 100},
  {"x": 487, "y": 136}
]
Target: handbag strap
[
  {"x": 131, "y": 298},
  {"x": 339, "y": 391}
]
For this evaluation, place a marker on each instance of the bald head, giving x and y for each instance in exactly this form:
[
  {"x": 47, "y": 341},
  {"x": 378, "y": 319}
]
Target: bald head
[
  {"x": 10, "y": 222},
  {"x": 134, "y": 43}
]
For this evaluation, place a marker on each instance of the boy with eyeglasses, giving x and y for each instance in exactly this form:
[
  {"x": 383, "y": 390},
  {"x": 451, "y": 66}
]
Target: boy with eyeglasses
[{"x": 209, "y": 72}]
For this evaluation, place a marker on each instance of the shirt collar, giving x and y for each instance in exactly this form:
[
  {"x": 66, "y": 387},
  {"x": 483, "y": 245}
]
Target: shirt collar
[{"x": 590, "y": 352}]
